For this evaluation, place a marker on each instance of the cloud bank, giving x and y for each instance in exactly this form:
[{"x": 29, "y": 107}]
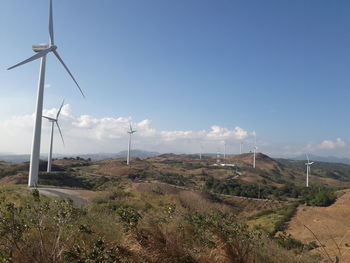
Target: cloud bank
[
  {"x": 88, "y": 134},
  {"x": 328, "y": 144}
]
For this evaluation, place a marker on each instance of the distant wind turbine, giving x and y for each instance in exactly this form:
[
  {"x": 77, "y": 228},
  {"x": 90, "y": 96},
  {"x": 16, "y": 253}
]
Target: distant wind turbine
[
  {"x": 255, "y": 149},
  {"x": 225, "y": 145},
  {"x": 308, "y": 170},
  {"x": 200, "y": 152},
  {"x": 241, "y": 148},
  {"x": 131, "y": 132},
  {"x": 42, "y": 50},
  {"x": 53, "y": 122}
]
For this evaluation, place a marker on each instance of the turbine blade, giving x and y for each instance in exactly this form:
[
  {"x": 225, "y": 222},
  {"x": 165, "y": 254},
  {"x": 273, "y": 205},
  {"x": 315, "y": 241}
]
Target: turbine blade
[
  {"x": 307, "y": 157},
  {"x": 59, "y": 111},
  {"x": 52, "y": 38},
  {"x": 36, "y": 56},
  {"x": 51, "y": 119},
  {"x": 59, "y": 129},
  {"x": 130, "y": 127},
  {"x": 64, "y": 65}
]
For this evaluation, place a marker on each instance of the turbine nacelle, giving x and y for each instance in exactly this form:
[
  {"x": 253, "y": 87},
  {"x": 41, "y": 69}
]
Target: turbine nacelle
[
  {"x": 40, "y": 47},
  {"x": 131, "y": 131}
]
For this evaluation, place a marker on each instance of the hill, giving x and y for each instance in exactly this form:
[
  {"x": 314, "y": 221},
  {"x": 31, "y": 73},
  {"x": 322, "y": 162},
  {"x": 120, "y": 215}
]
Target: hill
[
  {"x": 189, "y": 171},
  {"x": 326, "y": 172},
  {"x": 158, "y": 197},
  {"x": 329, "y": 224}
]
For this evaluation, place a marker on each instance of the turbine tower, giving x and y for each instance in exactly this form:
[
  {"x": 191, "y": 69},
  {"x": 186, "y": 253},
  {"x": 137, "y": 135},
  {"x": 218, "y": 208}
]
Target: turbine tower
[
  {"x": 308, "y": 170},
  {"x": 131, "y": 132},
  {"x": 200, "y": 153},
  {"x": 225, "y": 144},
  {"x": 217, "y": 157},
  {"x": 53, "y": 122},
  {"x": 42, "y": 50},
  {"x": 255, "y": 149},
  {"x": 241, "y": 148}
]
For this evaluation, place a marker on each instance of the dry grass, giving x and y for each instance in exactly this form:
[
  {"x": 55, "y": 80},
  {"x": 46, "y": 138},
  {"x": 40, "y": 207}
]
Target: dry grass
[{"x": 330, "y": 224}]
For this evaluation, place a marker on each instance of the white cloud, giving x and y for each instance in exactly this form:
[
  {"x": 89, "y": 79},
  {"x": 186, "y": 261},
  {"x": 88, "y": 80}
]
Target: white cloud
[
  {"x": 326, "y": 147},
  {"x": 88, "y": 134},
  {"x": 220, "y": 133},
  {"x": 328, "y": 144}
]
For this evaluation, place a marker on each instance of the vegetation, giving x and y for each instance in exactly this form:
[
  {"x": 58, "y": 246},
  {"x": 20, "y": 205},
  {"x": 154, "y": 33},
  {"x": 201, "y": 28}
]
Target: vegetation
[
  {"x": 123, "y": 226},
  {"x": 139, "y": 217},
  {"x": 338, "y": 171},
  {"x": 314, "y": 195}
]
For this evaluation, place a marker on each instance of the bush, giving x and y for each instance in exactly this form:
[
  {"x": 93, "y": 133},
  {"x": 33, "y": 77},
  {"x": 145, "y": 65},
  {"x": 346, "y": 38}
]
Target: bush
[
  {"x": 224, "y": 230},
  {"x": 129, "y": 216},
  {"x": 323, "y": 198}
]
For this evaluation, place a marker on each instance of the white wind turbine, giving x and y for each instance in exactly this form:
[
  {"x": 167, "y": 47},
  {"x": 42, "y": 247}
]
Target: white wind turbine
[
  {"x": 225, "y": 145},
  {"x": 200, "y": 152},
  {"x": 255, "y": 149},
  {"x": 241, "y": 148},
  {"x": 131, "y": 132},
  {"x": 53, "y": 122},
  {"x": 218, "y": 157},
  {"x": 308, "y": 170},
  {"x": 42, "y": 50}
]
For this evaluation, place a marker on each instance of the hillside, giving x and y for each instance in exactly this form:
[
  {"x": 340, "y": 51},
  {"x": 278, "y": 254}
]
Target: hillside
[
  {"x": 328, "y": 224},
  {"x": 184, "y": 170},
  {"x": 181, "y": 190},
  {"x": 322, "y": 171}
]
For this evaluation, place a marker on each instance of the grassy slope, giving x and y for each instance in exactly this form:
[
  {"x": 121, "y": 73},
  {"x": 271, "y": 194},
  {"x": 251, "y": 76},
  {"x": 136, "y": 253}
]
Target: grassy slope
[
  {"x": 186, "y": 173},
  {"x": 144, "y": 222},
  {"x": 329, "y": 224}
]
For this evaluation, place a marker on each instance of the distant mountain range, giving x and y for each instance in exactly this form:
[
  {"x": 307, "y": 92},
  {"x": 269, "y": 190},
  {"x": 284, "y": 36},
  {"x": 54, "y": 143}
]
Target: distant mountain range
[
  {"x": 328, "y": 159},
  {"x": 19, "y": 158}
]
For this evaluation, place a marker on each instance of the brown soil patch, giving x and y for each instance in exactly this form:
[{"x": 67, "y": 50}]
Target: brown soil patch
[
  {"x": 330, "y": 224},
  {"x": 14, "y": 179}
]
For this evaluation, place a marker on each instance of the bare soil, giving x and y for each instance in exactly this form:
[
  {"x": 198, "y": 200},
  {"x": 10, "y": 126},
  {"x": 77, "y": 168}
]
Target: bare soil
[{"x": 331, "y": 225}]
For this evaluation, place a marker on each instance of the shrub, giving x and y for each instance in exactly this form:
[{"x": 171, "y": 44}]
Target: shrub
[
  {"x": 323, "y": 198},
  {"x": 224, "y": 230},
  {"x": 129, "y": 216}
]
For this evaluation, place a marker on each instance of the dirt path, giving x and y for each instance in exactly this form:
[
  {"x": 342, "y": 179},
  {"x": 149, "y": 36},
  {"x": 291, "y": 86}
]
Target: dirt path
[
  {"x": 76, "y": 196},
  {"x": 330, "y": 224}
]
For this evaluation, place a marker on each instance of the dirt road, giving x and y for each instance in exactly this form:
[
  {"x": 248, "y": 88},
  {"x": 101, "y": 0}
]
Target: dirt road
[{"x": 75, "y": 195}]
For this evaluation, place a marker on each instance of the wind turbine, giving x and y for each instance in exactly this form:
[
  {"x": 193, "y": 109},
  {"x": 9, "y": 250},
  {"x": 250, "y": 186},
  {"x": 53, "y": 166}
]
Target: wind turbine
[
  {"x": 53, "y": 122},
  {"x": 225, "y": 144},
  {"x": 42, "y": 50},
  {"x": 217, "y": 157},
  {"x": 241, "y": 148},
  {"x": 255, "y": 149},
  {"x": 131, "y": 132},
  {"x": 200, "y": 153},
  {"x": 308, "y": 170}
]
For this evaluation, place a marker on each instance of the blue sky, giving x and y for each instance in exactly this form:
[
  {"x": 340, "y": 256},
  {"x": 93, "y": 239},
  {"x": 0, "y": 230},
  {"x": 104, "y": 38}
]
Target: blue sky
[{"x": 278, "y": 67}]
